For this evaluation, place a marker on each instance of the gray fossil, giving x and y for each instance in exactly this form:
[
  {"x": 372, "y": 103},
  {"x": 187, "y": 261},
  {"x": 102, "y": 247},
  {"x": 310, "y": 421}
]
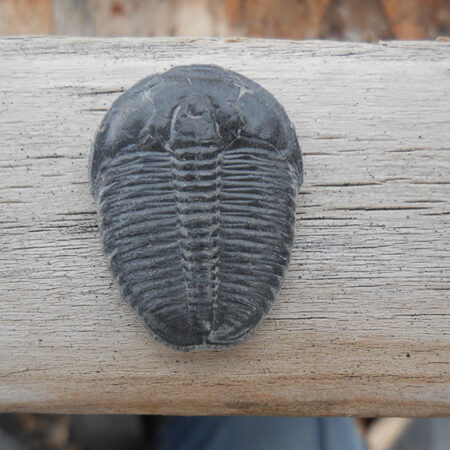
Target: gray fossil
[{"x": 195, "y": 173}]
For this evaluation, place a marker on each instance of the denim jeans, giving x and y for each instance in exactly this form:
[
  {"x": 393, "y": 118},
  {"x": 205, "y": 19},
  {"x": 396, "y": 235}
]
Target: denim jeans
[{"x": 251, "y": 433}]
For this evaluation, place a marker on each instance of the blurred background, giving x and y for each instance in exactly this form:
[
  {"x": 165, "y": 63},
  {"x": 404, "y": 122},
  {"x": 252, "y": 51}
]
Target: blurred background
[{"x": 355, "y": 20}]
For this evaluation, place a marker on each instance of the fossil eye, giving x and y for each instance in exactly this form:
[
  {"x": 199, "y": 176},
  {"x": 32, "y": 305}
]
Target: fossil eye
[{"x": 195, "y": 173}]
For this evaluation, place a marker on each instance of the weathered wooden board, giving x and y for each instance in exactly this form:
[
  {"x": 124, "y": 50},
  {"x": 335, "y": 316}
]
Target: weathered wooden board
[{"x": 362, "y": 323}]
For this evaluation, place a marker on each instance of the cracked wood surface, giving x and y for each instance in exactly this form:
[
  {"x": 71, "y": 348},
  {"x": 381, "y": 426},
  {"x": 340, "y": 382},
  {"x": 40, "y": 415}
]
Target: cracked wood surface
[{"x": 361, "y": 325}]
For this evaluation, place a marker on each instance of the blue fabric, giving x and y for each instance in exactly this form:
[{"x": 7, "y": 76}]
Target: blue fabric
[{"x": 257, "y": 433}]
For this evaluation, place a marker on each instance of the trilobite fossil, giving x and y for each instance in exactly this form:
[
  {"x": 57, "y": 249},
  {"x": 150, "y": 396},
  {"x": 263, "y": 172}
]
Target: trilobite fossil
[{"x": 195, "y": 173}]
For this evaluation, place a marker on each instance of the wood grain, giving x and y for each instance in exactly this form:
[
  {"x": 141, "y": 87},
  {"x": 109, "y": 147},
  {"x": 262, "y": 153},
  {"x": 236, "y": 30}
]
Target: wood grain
[{"x": 361, "y": 326}]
